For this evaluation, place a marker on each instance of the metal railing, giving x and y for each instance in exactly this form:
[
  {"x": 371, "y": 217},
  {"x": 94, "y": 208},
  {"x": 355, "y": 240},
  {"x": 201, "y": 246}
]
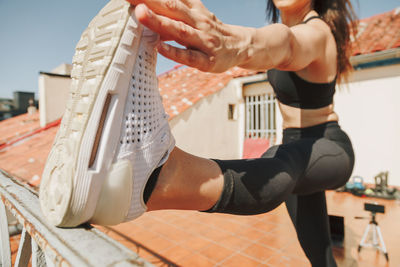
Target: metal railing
[
  {"x": 42, "y": 244},
  {"x": 260, "y": 116}
]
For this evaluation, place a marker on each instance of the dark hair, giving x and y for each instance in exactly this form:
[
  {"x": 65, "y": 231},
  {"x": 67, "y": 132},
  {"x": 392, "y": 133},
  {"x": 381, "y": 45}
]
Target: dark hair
[{"x": 341, "y": 18}]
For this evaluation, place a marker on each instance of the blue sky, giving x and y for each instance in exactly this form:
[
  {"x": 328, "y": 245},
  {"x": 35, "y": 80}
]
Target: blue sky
[{"x": 40, "y": 35}]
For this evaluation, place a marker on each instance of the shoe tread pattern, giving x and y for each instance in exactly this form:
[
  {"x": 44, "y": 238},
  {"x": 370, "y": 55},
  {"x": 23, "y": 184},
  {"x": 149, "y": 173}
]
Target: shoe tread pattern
[{"x": 94, "y": 53}]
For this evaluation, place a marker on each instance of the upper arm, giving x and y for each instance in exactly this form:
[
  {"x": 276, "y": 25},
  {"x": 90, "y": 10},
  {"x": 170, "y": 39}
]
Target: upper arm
[{"x": 307, "y": 44}]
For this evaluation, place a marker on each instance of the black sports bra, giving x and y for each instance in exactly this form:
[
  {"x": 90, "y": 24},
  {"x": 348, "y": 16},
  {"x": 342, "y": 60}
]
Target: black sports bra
[{"x": 294, "y": 91}]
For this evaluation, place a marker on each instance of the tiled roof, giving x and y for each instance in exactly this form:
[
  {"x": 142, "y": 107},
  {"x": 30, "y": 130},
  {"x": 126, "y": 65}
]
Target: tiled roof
[
  {"x": 378, "y": 33},
  {"x": 182, "y": 88},
  {"x": 25, "y": 160},
  {"x": 11, "y": 129}
]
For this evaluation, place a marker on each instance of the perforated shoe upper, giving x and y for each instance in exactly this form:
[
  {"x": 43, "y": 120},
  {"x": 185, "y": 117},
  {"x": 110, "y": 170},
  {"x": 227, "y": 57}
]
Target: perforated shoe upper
[{"x": 145, "y": 138}]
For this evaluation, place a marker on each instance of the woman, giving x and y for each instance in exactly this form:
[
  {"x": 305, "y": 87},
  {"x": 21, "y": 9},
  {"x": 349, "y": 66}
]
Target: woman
[{"x": 305, "y": 55}]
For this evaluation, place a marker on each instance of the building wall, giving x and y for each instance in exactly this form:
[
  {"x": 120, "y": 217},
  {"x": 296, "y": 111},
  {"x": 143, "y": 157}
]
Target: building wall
[
  {"x": 369, "y": 112},
  {"x": 53, "y": 95},
  {"x": 204, "y": 128},
  {"x": 21, "y": 100}
]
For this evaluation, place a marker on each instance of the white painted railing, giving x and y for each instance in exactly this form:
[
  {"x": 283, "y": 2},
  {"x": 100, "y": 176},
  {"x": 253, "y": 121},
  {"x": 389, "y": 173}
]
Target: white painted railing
[
  {"x": 260, "y": 117},
  {"x": 45, "y": 245}
]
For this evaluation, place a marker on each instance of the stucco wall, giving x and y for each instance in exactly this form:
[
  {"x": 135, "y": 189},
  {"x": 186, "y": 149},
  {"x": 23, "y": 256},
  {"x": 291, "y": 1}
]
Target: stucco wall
[
  {"x": 204, "y": 129},
  {"x": 53, "y": 94},
  {"x": 369, "y": 111}
]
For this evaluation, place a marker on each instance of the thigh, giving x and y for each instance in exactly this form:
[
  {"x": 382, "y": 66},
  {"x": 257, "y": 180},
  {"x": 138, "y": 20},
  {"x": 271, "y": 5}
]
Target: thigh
[{"x": 328, "y": 166}]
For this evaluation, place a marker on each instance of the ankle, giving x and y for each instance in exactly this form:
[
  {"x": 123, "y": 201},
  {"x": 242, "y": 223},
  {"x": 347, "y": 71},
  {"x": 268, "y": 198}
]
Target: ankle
[{"x": 151, "y": 183}]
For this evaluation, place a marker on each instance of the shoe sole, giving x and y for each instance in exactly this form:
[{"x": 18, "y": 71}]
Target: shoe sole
[{"x": 84, "y": 148}]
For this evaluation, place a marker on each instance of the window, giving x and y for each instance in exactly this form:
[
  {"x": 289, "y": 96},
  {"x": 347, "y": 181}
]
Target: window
[
  {"x": 260, "y": 117},
  {"x": 232, "y": 113}
]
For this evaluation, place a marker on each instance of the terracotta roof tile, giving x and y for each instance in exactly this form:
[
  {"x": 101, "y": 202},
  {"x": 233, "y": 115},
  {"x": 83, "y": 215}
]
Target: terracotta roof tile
[
  {"x": 25, "y": 160},
  {"x": 17, "y": 126},
  {"x": 378, "y": 33},
  {"x": 183, "y": 87}
]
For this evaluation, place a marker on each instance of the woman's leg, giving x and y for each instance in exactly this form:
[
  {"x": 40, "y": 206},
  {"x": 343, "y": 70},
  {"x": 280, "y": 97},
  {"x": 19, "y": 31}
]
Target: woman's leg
[
  {"x": 310, "y": 218},
  {"x": 230, "y": 186},
  {"x": 305, "y": 167},
  {"x": 187, "y": 182},
  {"x": 331, "y": 163},
  {"x": 250, "y": 186}
]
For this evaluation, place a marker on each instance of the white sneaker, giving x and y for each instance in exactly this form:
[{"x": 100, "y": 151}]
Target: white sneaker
[{"x": 114, "y": 132}]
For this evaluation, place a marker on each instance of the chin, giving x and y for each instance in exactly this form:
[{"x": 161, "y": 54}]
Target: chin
[{"x": 283, "y": 4}]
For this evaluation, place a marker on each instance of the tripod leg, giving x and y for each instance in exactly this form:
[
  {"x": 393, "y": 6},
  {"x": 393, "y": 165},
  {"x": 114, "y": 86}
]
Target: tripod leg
[
  {"x": 374, "y": 239},
  {"x": 364, "y": 237},
  {"x": 378, "y": 229}
]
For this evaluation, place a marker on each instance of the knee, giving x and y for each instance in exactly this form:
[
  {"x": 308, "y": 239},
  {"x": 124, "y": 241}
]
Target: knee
[
  {"x": 262, "y": 190},
  {"x": 278, "y": 187}
]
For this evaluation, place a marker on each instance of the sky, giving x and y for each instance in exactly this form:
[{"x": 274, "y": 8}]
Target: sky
[{"x": 40, "y": 35}]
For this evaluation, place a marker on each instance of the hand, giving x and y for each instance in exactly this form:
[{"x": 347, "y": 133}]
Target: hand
[{"x": 208, "y": 44}]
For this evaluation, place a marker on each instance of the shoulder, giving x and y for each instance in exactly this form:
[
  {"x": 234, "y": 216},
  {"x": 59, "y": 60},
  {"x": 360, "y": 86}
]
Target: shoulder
[
  {"x": 315, "y": 30},
  {"x": 323, "y": 45}
]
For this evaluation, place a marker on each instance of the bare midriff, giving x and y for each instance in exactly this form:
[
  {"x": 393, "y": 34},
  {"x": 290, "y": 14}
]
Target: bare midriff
[{"x": 301, "y": 118}]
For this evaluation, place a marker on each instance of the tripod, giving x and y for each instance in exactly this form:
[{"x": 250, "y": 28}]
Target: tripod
[{"x": 375, "y": 231}]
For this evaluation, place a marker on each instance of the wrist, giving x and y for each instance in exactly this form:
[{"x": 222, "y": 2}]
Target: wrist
[
  {"x": 235, "y": 47},
  {"x": 246, "y": 47}
]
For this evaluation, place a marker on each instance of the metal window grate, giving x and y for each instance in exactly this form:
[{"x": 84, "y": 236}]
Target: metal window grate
[{"x": 260, "y": 116}]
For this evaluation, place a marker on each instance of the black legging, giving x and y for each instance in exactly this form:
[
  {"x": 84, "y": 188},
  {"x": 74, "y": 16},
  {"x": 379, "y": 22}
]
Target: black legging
[{"x": 309, "y": 161}]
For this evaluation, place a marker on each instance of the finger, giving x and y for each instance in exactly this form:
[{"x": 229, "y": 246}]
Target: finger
[
  {"x": 189, "y": 57},
  {"x": 174, "y": 9},
  {"x": 146, "y": 17},
  {"x": 188, "y": 3},
  {"x": 175, "y": 30}
]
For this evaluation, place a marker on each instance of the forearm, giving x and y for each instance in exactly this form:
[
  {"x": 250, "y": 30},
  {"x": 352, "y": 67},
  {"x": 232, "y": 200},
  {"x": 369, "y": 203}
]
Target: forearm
[
  {"x": 270, "y": 47},
  {"x": 210, "y": 45}
]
